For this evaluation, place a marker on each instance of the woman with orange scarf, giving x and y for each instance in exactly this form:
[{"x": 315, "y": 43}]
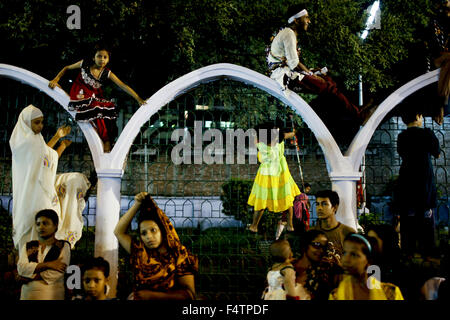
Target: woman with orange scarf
[{"x": 162, "y": 267}]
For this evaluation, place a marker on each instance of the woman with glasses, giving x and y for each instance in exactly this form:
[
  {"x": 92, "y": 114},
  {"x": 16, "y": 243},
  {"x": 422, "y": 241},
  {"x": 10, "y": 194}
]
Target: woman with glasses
[{"x": 317, "y": 269}]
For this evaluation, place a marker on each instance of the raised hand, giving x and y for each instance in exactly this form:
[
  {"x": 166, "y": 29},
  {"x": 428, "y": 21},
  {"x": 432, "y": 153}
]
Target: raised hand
[
  {"x": 63, "y": 131},
  {"x": 140, "y": 197},
  {"x": 52, "y": 84},
  {"x": 141, "y": 101},
  {"x": 66, "y": 143}
]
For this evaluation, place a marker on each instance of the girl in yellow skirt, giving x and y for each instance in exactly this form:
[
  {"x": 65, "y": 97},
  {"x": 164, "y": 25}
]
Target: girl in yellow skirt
[{"x": 274, "y": 188}]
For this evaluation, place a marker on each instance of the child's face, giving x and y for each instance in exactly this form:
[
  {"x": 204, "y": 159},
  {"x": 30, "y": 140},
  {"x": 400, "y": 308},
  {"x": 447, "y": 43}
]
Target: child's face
[
  {"x": 101, "y": 58},
  {"x": 94, "y": 283},
  {"x": 37, "y": 125},
  {"x": 354, "y": 261},
  {"x": 150, "y": 234}
]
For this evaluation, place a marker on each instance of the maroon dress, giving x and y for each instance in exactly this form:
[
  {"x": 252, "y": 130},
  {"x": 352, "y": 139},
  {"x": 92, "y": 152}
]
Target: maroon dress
[{"x": 86, "y": 98}]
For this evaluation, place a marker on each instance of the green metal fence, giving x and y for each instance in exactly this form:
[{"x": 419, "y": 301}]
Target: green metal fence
[{"x": 232, "y": 262}]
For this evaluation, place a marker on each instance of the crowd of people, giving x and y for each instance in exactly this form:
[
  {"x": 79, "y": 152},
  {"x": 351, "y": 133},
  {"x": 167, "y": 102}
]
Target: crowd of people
[{"x": 334, "y": 262}]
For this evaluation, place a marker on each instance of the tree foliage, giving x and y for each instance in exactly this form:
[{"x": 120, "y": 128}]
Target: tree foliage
[{"x": 157, "y": 41}]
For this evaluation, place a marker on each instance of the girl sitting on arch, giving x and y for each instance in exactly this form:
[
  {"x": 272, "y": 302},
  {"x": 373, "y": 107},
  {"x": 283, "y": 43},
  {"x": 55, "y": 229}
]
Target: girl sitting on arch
[{"x": 87, "y": 98}]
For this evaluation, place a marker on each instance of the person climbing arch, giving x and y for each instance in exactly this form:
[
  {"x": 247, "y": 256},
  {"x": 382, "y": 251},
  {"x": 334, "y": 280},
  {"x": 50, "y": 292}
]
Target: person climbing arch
[
  {"x": 283, "y": 58},
  {"x": 86, "y": 94}
]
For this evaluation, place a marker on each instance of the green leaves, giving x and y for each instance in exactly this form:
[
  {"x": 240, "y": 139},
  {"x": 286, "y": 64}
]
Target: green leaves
[{"x": 173, "y": 37}]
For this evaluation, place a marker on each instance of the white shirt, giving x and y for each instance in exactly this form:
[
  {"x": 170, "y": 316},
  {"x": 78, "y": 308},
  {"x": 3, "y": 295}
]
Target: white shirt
[
  {"x": 26, "y": 268},
  {"x": 284, "y": 45}
]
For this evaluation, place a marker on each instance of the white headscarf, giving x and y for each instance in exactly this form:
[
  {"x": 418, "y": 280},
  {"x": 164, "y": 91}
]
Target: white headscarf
[
  {"x": 71, "y": 188},
  {"x": 34, "y": 167}
]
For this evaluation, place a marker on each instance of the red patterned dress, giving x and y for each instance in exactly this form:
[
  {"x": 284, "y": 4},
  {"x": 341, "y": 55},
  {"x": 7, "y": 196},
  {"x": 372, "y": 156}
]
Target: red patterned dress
[{"x": 86, "y": 98}]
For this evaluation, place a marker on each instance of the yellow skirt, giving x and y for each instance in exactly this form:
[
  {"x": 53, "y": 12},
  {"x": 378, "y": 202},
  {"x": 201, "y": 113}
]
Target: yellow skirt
[{"x": 274, "y": 192}]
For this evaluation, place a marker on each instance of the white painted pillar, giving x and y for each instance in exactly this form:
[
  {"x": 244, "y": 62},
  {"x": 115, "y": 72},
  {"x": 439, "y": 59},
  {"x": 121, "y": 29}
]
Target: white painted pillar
[
  {"x": 107, "y": 216},
  {"x": 345, "y": 186}
]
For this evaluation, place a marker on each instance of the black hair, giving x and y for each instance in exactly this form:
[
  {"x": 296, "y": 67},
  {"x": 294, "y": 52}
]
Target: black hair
[
  {"x": 308, "y": 237},
  {"x": 101, "y": 46},
  {"x": 389, "y": 236},
  {"x": 368, "y": 252},
  {"x": 409, "y": 112},
  {"x": 266, "y": 128},
  {"x": 48, "y": 213},
  {"x": 279, "y": 250},
  {"x": 149, "y": 211},
  {"x": 331, "y": 195},
  {"x": 96, "y": 263}
]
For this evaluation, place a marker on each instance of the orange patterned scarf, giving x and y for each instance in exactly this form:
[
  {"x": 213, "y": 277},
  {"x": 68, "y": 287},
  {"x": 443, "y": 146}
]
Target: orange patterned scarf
[{"x": 155, "y": 270}]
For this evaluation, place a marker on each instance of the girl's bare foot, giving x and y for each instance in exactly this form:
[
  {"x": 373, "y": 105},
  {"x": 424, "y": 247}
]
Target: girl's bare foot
[
  {"x": 252, "y": 228},
  {"x": 290, "y": 228}
]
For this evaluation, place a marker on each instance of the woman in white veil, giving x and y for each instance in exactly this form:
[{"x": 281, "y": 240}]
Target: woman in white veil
[{"x": 34, "y": 165}]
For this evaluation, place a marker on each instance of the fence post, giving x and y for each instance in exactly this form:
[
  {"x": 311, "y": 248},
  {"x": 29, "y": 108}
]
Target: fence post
[{"x": 107, "y": 216}]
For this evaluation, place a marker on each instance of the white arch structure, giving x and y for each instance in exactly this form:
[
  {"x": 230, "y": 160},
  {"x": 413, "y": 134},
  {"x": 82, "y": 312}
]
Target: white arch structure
[{"x": 343, "y": 169}]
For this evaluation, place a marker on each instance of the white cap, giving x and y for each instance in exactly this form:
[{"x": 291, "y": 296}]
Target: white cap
[{"x": 298, "y": 15}]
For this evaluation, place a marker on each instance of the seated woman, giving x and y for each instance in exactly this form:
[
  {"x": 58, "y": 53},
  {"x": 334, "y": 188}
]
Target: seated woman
[
  {"x": 356, "y": 285},
  {"x": 162, "y": 267}
]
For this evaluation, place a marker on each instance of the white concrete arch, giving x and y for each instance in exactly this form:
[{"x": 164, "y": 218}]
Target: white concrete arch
[
  {"x": 359, "y": 144},
  {"x": 343, "y": 170},
  {"x": 57, "y": 94},
  {"x": 213, "y": 72}
]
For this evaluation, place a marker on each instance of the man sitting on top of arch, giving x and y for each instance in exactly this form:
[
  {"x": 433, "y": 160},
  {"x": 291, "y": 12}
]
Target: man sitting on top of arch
[{"x": 283, "y": 60}]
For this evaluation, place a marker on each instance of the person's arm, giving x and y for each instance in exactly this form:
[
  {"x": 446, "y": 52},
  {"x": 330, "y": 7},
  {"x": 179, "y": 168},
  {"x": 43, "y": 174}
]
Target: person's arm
[
  {"x": 60, "y": 133},
  {"x": 302, "y": 67},
  {"x": 28, "y": 269},
  {"x": 290, "y": 51},
  {"x": 126, "y": 88},
  {"x": 186, "y": 291},
  {"x": 53, "y": 83},
  {"x": 25, "y": 268},
  {"x": 62, "y": 146},
  {"x": 289, "y": 135},
  {"x": 56, "y": 268},
  {"x": 121, "y": 229},
  {"x": 289, "y": 282},
  {"x": 435, "y": 149}
]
